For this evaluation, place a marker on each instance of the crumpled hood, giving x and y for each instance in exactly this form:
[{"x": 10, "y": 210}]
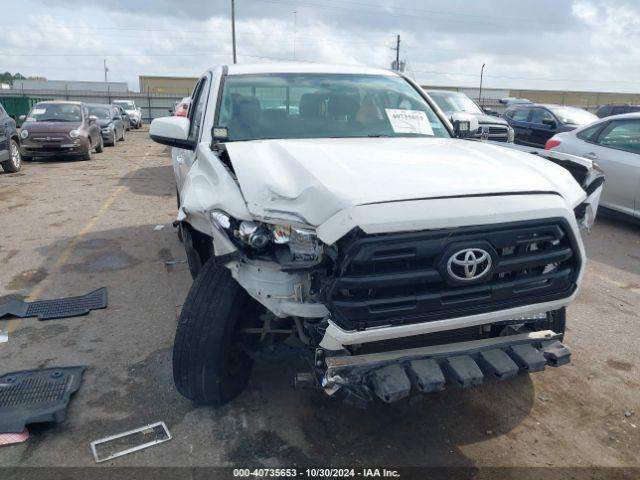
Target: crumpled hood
[{"x": 312, "y": 179}]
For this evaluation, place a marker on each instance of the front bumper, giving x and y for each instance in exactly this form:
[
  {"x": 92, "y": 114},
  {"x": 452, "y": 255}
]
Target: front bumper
[
  {"x": 108, "y": 135},
  {"x": 31, "y": 148},
  {"x": 393, "y": 375}
]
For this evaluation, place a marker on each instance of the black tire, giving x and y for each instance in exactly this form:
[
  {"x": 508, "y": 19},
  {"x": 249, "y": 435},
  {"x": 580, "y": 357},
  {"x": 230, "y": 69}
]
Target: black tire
[
  {"x": 14, "y": 163},
  {"x": 87, "y": 155},
  {"x": 100, "y": 146},
  {"x": 208, "y": 365}
]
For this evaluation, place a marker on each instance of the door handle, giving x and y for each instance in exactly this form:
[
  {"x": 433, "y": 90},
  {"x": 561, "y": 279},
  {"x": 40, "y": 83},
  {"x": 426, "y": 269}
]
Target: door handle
[{"x": 591, "y": 155}]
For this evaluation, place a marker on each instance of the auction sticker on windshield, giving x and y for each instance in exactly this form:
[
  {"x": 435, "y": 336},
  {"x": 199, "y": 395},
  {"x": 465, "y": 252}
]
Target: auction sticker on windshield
[{"x": 409, "y": 121}]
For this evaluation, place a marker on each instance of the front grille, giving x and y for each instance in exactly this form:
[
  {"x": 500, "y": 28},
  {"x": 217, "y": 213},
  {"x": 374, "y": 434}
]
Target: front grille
[
  {"x": 402, "y": 278},
  {"x": 498, "y": 131},
  {"x": 494, "y": 133}
]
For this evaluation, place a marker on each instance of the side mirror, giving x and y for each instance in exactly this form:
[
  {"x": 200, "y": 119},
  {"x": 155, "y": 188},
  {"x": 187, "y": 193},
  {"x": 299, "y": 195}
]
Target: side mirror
[
  {"x": 549, "y": 123},
  {"x": 464, "y": 125},
  {"x": 172, "y": 131},
  {"x": 22, "y": 118},
  {"x": 93, "y": 119}
]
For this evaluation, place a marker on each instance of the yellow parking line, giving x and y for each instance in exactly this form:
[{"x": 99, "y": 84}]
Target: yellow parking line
[{"x": 66, "y": 253}]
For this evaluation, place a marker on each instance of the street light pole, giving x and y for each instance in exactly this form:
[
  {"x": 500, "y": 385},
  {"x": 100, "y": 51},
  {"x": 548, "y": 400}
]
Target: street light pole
[
  {"x": 480, "y": 94},
  {"x": 295, "y": 31},
  {"x": 233, "y": 29}
]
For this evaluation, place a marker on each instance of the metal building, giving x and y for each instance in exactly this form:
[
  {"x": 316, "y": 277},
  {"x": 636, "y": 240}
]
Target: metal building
[
  {"x": 70, "y": 85},
  {"x": 173, "y": 85}
]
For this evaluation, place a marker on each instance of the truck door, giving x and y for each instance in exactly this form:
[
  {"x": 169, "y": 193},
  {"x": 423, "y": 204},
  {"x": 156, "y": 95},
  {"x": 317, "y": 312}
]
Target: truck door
[
  {"x": 543, "y": 126},
  {"x": 184, "y": 159}
]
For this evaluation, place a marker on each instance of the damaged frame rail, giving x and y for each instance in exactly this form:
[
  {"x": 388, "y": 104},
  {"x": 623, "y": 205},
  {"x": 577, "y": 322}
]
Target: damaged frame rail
[{"x": 391, "y": 375}]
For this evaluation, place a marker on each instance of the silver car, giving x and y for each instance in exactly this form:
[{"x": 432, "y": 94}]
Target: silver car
[{"x": 614, "y": 144}]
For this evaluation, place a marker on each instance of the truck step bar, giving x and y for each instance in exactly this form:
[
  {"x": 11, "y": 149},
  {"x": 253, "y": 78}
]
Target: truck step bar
[{"x": 392, "y": 376}]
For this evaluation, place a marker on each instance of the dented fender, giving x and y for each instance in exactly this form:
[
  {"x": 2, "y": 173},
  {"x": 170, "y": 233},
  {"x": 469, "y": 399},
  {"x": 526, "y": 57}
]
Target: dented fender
[{"x": 209, "y": 185}]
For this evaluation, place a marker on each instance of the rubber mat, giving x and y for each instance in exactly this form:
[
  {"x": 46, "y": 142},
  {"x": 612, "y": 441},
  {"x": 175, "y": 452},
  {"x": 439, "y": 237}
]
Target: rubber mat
[
  {"x": 36, "y": 396},
  {"x": 56, "y": 308}
]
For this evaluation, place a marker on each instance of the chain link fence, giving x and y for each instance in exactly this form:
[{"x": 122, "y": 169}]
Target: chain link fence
[{"x": 153, "y": 105}]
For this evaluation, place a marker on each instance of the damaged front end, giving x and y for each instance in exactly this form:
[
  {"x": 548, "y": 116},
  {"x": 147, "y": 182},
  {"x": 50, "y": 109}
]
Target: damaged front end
[
  {"x": 586, "y": 172},
  {"x": 394, "y": 375}
]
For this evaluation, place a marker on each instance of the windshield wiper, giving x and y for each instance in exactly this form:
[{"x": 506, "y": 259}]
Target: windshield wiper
[{"x": 55, "y": 120}]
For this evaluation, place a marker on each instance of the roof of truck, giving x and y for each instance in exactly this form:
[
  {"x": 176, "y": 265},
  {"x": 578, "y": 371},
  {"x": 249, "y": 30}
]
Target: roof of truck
[{"x": 302, "y": 67}]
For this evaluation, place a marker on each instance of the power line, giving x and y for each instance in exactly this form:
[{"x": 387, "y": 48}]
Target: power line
[{"x": 419, "y": 13}]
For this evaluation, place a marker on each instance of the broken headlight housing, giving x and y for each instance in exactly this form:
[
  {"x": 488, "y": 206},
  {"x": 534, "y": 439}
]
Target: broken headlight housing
[{"x": 289, "y": 244}]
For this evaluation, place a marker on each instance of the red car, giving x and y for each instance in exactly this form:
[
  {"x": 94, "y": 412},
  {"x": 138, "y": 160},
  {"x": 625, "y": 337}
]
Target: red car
[{"x": 182, "y": 108}]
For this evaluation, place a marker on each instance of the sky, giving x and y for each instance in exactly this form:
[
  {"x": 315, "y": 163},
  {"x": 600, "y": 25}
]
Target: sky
[{"x": 589, "y": 45}]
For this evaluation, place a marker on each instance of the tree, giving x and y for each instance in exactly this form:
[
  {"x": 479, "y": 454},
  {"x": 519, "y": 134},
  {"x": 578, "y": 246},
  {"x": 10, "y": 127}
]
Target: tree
[{"x": 8, "y": 77}]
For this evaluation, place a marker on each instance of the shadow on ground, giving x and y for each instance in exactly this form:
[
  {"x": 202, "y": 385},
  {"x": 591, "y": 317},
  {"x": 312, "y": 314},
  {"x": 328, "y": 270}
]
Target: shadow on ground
[{"x": 155, "y": 181}]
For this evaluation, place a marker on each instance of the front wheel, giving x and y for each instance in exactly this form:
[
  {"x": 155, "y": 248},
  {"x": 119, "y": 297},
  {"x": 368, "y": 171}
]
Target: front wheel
[
  {"x": 100, "y": 146},
  {"x": 210, "y": 365},
  {"x": 15, "y": 159}
]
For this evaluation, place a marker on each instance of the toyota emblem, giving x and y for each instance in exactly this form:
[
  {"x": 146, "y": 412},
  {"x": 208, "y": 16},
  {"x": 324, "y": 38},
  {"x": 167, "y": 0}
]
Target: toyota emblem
[{"x": 469, "y": 264}]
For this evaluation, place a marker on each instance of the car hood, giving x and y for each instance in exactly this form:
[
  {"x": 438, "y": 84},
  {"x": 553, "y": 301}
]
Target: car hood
[
  {"x": 484, "y": 119},
  {"x": 50, "y": 127},
  {"x": 310, "y": 180},
  {"x": 104, "y": 123}
]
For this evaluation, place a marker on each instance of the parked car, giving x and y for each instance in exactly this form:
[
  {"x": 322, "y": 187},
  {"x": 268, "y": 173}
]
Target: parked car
[
  {"x": 110, "y": 122},
  {"x": 491, "y": 127},
  {"x": 10, "y": 158},
  {"x": 534, "y": 124},
  {"x": 358, "y": 228},
  {"x": 60, "y": 128},
  {"x": 125, "y": 118},
  {"x": 134, "y": 112},
  {"x": 613, "y": 142},
  {"x": 182, "y": 107},
  {"x": 509, "y": 101},
  {"x": 616, "y": 109}
]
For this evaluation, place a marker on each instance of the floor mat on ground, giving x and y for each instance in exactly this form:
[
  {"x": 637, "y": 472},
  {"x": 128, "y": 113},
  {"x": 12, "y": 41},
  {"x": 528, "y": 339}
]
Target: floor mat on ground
[
  {"x": 56, "y": 308},
  {"x": 36, "y": 396}
]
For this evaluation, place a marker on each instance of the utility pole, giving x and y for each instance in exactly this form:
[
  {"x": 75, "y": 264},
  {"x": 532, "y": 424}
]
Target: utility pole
[
  {"x": 480, "y": 94},
  {"x": 397, "y": 49},
  {"x": 233, "y": 29},
  {"x": 105, "y": 71},
  {"x": 295, "y": 31}
]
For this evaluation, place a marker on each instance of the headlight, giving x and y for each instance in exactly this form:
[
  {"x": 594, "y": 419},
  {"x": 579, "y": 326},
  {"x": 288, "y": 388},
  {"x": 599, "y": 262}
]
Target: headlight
[
  {"x": 74, "y": 133},
  {"x": 511, "y": 136},
  {"x": 290, "y": 243},
  {"x": 24, "y": 133}
]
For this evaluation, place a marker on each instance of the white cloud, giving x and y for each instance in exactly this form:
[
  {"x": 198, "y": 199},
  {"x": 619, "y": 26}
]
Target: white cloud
[{"x": 581, "y": 45}]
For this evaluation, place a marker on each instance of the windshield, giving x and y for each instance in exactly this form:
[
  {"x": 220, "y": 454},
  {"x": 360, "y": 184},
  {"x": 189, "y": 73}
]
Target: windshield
[
  {"x": 102, "y": 113},
  {"x": 324, "y": 106},
  {"x": 125, "y": 105},
  {"x": 573, "y": 116},
  {"x": 55, "y": 112},
  {"x": 454, "y": 102}
]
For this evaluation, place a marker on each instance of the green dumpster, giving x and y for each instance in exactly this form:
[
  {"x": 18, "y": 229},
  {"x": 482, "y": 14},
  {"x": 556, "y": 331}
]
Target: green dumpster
[{"x": 16, "y": 106}]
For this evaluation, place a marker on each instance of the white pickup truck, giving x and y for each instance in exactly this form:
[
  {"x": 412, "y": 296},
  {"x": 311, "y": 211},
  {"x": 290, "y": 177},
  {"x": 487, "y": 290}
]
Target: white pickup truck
[{"x": 336, "y": 213}]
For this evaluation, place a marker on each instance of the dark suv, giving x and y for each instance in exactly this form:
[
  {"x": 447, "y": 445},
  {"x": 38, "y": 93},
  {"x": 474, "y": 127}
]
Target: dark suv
[
  {"x": 10, "y": 158},
  {"x": 534, "y": 124},
  {"x": 616, "y": 109}
]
